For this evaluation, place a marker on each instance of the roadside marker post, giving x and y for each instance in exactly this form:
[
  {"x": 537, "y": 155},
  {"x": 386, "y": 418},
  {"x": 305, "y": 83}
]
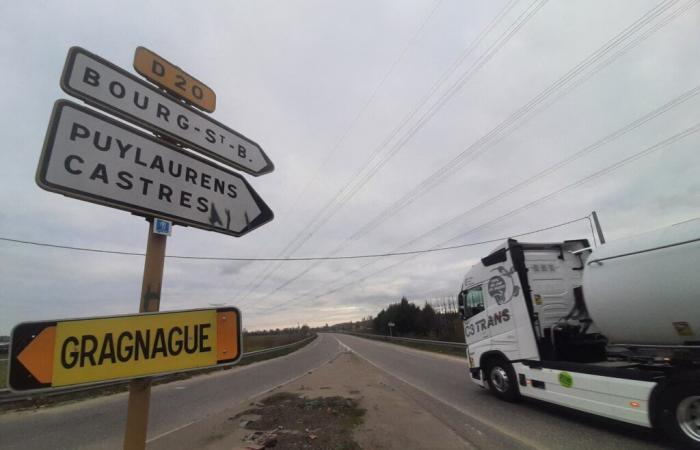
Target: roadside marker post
[{"x": 92, "y": 157}]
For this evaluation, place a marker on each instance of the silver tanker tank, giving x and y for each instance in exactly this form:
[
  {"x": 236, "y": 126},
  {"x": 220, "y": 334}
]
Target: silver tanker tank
[{"x": 645, "y": 290}]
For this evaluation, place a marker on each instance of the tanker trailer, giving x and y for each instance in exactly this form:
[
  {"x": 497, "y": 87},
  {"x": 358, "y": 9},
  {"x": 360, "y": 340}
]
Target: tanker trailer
[{"x": 645, "y": 290}]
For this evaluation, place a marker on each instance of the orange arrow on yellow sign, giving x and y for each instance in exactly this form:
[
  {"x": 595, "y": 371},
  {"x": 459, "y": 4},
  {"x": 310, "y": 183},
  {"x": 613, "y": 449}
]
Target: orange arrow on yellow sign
[
  {"x": 34, "y": 356},
  {"x": 72, "y": 352}
]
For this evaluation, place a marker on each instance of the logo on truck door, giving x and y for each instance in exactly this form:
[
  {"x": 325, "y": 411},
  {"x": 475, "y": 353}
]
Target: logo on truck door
[
  {"x": 502, "y": 287},
  {"x": 478, "y": 326}
]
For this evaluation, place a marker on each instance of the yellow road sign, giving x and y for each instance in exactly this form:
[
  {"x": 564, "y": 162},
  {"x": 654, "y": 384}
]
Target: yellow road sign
[
  {"x": 80, "y": 351},
  {"x": 173, "y": 79}
]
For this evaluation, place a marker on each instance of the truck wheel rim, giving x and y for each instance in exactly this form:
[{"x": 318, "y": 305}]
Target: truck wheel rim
[
  {"x": 499, "y": 379},
  {"x": 688, "y": 415}
]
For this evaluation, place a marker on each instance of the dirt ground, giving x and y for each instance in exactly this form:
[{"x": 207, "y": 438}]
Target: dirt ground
[
  {"x": 295, "y": 422},
  {"x": 344, "y": 404}
]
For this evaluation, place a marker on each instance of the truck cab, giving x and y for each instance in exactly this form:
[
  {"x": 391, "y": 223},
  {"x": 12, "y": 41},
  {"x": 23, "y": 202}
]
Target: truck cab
[
  {"x": 529, "y": 333},
  {"x": 516, "y": 301}
]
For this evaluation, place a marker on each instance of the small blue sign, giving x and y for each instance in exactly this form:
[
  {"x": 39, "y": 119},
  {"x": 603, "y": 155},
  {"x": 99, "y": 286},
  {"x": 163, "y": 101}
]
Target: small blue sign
[{"x": 161, "y": 226}]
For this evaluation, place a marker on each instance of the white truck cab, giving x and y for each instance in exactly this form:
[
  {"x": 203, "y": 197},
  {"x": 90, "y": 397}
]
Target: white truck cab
[{"x": 529, "y": 331}]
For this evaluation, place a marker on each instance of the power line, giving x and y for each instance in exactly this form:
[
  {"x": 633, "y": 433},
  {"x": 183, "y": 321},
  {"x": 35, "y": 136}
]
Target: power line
[
  {"x": 490, "y": 139},
  {"x": 425, "y": 118},
  {"x": 656, "y": 147},
  {"x": 305, "y": 295},
  {"x": 552, "y": 168},
  {"x": 346, "y": 132},
  {"x": 493, "y": 137},
  {"x": 286, "y": 250},
  {"x": 311, "y": 258},
  {"x": 369, "y": 101},
  {"x": 343, "y": 195},
  {"x": 675, "y": 102},
  {"x": 443, "y": 78}
]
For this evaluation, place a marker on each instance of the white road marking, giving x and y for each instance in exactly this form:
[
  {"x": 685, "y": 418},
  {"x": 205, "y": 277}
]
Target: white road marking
[
  {"x": 237, "y": 369},
  {"x": 446, "y": 402},
  {"x": 247, "y": 399},
  {"x": 343, "y": 346},
  {"x": 172, "y": 431}
]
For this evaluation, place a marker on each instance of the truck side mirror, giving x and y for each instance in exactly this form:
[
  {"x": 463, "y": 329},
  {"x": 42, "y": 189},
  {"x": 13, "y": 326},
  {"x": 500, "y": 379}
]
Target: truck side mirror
[{"x": 461, "y": 305}]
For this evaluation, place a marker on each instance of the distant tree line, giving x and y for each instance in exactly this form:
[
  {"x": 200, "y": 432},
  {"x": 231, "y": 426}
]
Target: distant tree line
[
  {"x": 438, "y": 319},
  {"x": 303, "y": 330}
]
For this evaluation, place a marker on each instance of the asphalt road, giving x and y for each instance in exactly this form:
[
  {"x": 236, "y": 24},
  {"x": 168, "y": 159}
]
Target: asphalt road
[
  {"x": 440, "y": 383},
  {"x": 99, "y": 423},
  {"x": 443, "y": 383}
]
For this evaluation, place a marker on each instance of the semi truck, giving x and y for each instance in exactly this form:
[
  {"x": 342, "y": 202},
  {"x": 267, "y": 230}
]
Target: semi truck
[{"x": 612, "y": 331}]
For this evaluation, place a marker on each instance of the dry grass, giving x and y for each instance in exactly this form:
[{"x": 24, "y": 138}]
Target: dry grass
[
  {"x": 252, "y": 343},
  {"x": 3, "y": 372}
]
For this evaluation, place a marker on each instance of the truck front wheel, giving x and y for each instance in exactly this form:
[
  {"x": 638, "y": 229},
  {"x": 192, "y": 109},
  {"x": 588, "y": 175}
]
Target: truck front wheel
[
  {"x": 501, "y": 379},
  {"x": 680, "y": 415}
]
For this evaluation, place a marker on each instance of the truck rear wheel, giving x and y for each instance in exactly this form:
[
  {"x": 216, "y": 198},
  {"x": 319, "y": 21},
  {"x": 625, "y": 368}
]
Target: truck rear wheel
[
  {"x": 680, "y": 415},
  {"x": 501, "y": 379}
]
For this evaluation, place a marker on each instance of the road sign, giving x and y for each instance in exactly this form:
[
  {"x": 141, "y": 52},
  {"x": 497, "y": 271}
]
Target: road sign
[
  {"x": 92, "y": 157},
  {"x": 106, "y": 86},
  {"x": 61, "y": 353},
  {"x": 164, "y": 227},
  {"x": 175, "y": 80}
]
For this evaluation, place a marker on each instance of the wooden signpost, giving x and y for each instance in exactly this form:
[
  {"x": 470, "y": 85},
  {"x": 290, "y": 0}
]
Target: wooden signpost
[{"x": 92, "y": 157}]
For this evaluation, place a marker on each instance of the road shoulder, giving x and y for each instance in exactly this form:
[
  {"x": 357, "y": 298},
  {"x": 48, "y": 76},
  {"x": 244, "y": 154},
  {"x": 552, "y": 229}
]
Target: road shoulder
[{"x": 392, "y": 420}]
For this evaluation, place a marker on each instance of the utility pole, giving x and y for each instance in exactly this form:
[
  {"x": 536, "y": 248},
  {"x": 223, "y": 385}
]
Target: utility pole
[{"x": 599, "y": 230}]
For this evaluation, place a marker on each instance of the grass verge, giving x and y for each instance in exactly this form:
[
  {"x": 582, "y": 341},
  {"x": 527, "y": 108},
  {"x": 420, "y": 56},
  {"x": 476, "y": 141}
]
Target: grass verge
[
  {"x": 3, "y": 372},
  {"x": 252, "y": 343}
]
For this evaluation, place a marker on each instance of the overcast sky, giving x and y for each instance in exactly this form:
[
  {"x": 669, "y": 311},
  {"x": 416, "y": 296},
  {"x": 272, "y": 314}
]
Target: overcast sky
[{"x": 363, "y": 106}]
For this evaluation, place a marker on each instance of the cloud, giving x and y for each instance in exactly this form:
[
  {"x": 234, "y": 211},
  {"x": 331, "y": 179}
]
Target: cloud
[{"x": 293, "y": 76}]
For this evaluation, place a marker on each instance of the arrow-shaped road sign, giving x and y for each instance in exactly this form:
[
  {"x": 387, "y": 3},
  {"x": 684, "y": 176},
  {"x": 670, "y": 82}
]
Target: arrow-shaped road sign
[
  {"x": 83, "y": 351},
  {"x": 106, "y": 86},
  {"x": 92, "y": 157}
]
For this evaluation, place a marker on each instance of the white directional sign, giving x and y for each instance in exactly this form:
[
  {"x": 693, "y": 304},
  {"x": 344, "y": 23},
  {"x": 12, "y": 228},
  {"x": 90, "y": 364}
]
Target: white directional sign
[
  {"x": 92, "y": 157},
  {"x": 101, "y": 83}
]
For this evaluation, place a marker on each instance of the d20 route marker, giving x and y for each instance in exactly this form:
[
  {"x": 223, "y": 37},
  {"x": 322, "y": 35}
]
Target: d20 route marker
[
  {"x": 108, "y": 87},
  {"x": 175, "y": 80},
  {"x": 72, "y": 352},
  {"x": 92, "y": 157}
]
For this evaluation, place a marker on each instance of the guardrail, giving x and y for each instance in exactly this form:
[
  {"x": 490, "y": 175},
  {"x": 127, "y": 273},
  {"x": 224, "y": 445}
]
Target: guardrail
[
  {"x": 414, "y": 340},
  {"x": 7, "y": 396}
]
